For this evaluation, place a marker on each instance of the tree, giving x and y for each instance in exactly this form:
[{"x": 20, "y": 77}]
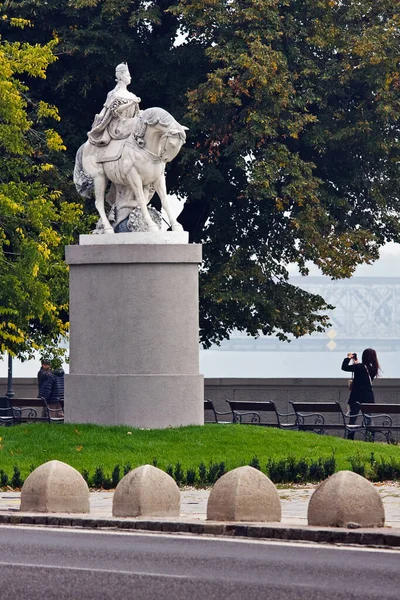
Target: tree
[
  {"x": 293, "y": 150},
  {"x": 35, "y": 222},
  {"x": 297, "y": 151}
]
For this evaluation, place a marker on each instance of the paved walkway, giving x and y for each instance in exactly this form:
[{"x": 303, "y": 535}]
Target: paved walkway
[{"x": 194, "y": 504}]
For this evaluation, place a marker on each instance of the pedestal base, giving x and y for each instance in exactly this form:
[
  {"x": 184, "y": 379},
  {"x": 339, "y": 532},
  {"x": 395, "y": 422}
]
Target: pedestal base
[
  {"x": 134, "y": 335},
  {"x": 147, "y": 401}
]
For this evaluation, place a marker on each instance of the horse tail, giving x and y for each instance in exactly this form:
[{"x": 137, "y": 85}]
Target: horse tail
[{"x": 83, "y": 182}]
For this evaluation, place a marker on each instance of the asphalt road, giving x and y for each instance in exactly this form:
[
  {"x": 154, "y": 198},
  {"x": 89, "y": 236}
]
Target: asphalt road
[{"x": 49, "y": 564}]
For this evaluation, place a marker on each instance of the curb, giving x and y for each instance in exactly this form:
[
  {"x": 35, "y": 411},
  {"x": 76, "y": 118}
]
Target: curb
[{"x": 383, "y": 538}]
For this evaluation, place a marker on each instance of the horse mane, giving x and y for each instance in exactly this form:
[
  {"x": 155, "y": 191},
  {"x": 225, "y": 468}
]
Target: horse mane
[{"x": 152, "y": 116}]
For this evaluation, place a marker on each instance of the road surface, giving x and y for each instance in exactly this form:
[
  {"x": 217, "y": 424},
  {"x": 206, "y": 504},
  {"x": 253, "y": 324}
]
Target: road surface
[{"x": 47, "y": 564}]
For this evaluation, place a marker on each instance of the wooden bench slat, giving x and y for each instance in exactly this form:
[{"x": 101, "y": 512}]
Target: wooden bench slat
[{"x": 385, "y": 409}]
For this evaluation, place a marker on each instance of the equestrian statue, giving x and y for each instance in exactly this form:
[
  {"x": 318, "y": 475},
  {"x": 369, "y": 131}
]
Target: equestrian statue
[{"x": 129, "y": 148}]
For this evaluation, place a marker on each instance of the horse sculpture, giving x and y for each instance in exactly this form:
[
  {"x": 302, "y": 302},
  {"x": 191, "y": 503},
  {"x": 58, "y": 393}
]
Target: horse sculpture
[{"x": 135, "y": 166}]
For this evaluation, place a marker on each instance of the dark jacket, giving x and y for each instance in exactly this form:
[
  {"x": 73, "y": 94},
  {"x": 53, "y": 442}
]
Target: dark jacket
[
  {"x": 58, "y": 391},
  {"x": 52, "y": 386},
  {"x": 41, "y": 376},
  {"x": 362, "y": 388}
]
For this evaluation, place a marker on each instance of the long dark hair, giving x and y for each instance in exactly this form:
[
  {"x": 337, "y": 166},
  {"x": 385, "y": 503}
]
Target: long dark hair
[{"x": 370, "y": 360}]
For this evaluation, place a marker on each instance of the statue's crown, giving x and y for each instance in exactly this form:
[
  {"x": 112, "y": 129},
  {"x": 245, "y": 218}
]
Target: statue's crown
[{"x": 122, "y": 68}]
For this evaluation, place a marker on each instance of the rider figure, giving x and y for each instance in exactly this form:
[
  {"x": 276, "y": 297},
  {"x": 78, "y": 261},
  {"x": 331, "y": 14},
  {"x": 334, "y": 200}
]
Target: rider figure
[{"x": 120, "y": 105}]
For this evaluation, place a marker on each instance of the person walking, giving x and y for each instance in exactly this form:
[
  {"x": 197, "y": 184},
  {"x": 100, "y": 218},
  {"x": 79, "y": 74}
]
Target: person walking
[{"x": 364, "y": 373}]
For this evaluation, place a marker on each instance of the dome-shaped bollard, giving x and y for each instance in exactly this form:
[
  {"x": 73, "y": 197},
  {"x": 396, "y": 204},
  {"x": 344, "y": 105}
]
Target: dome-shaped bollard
[
  {"x": 244, "y": 494},
  {"x": 146, "y": 492},
  {"x": 55, "y": 487},
  {"x": 345, "y": 498}
]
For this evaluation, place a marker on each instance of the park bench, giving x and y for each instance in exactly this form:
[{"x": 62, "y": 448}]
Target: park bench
[
  {"x": 209, "y": 408},
  {"x": 381, "y": 419},
  {"x": 320, "y": 417},
  {"x": 260, "y": 413},
  {"x": 27, "y": 410}
]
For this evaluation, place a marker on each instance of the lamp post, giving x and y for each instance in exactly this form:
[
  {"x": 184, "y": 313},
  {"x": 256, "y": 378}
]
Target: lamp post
[{"x": 10, "y": 393}]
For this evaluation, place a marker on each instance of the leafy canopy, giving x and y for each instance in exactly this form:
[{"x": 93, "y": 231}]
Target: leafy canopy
[
  {"x": 35, "y": 223},
  {"x": 297, "y": 150},
  {"x": 293, "y": 150}
]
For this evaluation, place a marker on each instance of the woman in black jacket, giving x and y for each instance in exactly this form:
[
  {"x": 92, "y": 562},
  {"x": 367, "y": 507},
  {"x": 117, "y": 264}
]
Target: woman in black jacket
[{"x": 364, "y": 374}]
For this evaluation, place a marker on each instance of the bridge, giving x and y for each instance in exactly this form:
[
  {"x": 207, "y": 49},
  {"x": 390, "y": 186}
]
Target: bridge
[{"x": 367, "y": 314}]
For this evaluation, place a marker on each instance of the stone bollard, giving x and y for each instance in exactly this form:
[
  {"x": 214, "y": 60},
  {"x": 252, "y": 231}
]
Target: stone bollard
[
  {"x": 346, "y": 500},
  {"x": 146, "y": 492},
  {"x": 55, "y": 487},
  {"x": 244, "y": 494}
]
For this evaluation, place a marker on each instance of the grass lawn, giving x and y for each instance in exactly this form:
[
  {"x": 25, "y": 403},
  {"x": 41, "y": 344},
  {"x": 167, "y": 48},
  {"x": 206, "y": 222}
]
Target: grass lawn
[{"x": 86, "y": 447}]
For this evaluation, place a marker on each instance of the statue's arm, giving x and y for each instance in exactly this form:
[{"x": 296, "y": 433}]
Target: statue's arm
[{"x": 120, "y": 105}]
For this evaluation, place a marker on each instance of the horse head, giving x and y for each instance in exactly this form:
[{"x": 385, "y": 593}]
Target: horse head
[{"x": 171, "y": 142}]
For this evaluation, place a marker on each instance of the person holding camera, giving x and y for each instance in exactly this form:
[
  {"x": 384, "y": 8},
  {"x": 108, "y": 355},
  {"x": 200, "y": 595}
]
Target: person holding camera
[{"x": 364, "y": 373}]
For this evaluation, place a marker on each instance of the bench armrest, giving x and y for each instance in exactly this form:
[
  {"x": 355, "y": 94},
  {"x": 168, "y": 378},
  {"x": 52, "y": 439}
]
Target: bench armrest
[
  {"x": 237, "y": 416},
  {"x": 319, "y": 419},
  {"x": 387, "y": 419},
  {"x": 18, "y": 411}
]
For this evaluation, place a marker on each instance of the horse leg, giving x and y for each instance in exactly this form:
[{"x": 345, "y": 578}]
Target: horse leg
[
  {"x": 161, "y": 190},
  {"x": 100, "y": 184},
  {"x": 135, "y": 183}
]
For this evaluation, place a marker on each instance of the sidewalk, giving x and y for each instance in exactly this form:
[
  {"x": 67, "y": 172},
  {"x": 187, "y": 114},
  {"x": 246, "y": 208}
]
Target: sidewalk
[{"x": 193, "y": 518}]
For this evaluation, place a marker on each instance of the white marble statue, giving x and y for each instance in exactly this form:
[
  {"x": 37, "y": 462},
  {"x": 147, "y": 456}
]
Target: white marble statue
[
  {"x": 130, "y": 149},
  {"x": 119, "y": 105}
]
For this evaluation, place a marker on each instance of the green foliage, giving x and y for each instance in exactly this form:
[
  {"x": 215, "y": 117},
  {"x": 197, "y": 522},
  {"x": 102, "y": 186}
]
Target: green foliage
[
  {"x": 292, "y": 470},
  {"x": 115, "y": 476},
  {"x": 206, "y": 450},
  {"x": 297, "y": 151},
  {"x": 178, "y": 474},
  {"x": 98, "y": 477},
  {"x": 357, "y": 465},
  {"x": 385, "y": 470},
  {"x": 202, "y": 474},
  {"x": 3, "y": 479},
  {"x": 35, "y": 222},
  {"x": 194, "y": 456},
  {"x": 255, "y": 463},
  {"x": 191, "y": 477},
  {"x": 16, "y": 480},
  {"x": 126, "y": 468},
  {"x": 293, "y": 149}
]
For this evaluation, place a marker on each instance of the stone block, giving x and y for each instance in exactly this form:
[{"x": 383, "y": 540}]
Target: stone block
[
  {"x": 244, "y": 494},
  {"x": 344, "y": 498},
  {"x": 55, "y": 487},
  {"x": 146, "y": 492}
]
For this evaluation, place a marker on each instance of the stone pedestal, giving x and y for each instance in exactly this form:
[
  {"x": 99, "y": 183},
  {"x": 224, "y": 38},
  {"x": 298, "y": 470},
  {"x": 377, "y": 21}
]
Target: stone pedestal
[{"x": 134, "y": 345}]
